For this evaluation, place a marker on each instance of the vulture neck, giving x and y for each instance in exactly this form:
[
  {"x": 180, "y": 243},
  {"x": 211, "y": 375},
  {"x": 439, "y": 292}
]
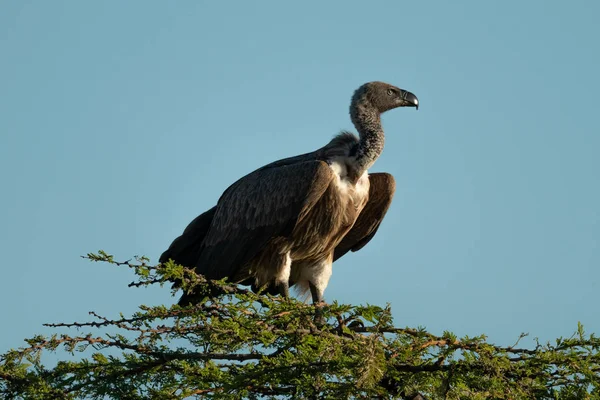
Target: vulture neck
[{"x": 367, "y": 121}]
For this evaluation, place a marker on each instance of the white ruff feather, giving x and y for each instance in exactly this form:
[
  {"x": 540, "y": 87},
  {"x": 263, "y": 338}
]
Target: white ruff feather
[{"x": 361, "y": 189}]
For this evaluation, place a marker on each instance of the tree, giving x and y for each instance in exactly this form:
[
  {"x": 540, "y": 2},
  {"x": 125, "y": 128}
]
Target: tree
[{"x": 246, "y": 345}]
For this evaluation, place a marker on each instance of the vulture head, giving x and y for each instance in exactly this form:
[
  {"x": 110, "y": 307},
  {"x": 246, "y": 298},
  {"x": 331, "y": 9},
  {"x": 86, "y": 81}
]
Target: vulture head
[{"x": 383, "y": 97}]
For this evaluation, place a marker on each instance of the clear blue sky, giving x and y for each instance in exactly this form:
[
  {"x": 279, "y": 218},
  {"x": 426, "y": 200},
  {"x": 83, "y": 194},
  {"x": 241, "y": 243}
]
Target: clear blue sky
[{"x": 122, "y": 121}]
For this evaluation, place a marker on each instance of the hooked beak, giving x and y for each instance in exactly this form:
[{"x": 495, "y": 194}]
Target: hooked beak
[{"x": 410, "y": 100}]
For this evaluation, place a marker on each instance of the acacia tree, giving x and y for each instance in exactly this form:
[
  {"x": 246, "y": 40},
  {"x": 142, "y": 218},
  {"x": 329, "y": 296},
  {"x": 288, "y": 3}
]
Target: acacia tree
[{"x": 245, "y": 345}]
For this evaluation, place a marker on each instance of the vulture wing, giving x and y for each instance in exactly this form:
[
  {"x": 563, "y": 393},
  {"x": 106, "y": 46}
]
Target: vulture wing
[
  {"x": 185, "y": 249},
  {"x": 263, "y": 205},
  {"x": 381, "y": 191}
]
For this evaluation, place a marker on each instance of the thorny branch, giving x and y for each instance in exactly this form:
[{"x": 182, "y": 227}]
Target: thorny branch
[{"x": 244, "y": 344}]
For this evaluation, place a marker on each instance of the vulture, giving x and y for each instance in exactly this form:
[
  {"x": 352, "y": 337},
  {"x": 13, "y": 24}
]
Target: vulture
[{"x": 285, "y": 223}]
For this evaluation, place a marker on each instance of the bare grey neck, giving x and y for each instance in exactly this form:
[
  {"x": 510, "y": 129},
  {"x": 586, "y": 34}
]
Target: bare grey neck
[{"x": 366, "y": 118}]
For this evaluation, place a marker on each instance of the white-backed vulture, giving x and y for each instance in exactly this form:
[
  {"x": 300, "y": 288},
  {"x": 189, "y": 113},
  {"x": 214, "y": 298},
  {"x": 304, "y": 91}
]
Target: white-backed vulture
[{"x": 285, "y": 224}]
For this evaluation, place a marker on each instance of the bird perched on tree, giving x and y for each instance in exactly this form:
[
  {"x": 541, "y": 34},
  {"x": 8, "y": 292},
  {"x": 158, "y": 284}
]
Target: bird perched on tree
[{"x": 286, "y": 223}]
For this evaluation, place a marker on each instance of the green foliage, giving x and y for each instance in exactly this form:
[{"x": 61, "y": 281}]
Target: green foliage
[{"x": 244, "y": 345}]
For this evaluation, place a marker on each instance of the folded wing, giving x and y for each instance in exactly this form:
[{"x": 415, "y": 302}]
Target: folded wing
[{"x": 259, "y": 207}]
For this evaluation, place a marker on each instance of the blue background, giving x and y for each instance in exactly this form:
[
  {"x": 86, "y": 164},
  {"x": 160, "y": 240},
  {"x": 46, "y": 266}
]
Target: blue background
[{"x": 122, "y": 121}]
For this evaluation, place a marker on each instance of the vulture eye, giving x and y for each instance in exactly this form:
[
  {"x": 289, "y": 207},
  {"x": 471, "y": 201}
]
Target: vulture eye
[{"x": 391, "y": 92}]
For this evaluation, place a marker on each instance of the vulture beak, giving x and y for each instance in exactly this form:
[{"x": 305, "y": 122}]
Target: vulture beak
[{"x": 410, "y": 100}]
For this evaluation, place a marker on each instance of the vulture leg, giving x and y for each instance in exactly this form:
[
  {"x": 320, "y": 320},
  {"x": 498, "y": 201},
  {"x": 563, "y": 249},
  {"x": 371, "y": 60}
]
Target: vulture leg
[
  {"x": 316, "y": 274},
  {"x": 317, "y": 297},
  {"x": 282, "y": 276},
  {"x": 272, "y": 270},
  {"x": 318, "y": 279}
]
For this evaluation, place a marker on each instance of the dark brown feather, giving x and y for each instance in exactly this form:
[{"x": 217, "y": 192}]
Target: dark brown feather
[
  {"x": 185, "y": 249},
  {"x": 381, "y": 192},
  {"x": 261, "y": 206}
]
